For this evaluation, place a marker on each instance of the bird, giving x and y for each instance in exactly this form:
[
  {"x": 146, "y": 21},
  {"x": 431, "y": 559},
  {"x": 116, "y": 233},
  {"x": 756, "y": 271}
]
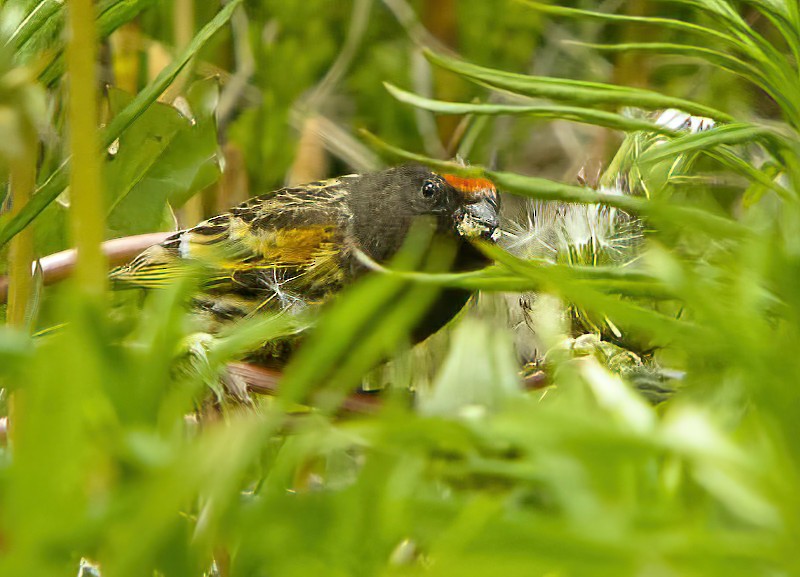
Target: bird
[{"x": 298, "y": 246}]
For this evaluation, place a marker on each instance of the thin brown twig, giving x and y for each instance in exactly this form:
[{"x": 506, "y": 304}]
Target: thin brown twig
[
  {"x": 265, "y": 381},
  {"x": 57, "y": 267}
]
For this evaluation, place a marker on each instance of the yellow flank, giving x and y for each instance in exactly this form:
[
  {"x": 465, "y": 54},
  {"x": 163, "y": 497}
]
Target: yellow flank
[
  {"x": 313, "y": 250},
  {"x": 291, "y": 246}
]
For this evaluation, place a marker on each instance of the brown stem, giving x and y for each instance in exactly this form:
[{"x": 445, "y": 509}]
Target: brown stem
[
  {"x": 56, "y": 267},
  {"x": 264, "y": 381}
]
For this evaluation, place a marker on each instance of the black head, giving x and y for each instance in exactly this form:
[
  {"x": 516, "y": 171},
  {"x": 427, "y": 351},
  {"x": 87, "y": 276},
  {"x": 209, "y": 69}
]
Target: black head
[{"x": 384, "y": 205}]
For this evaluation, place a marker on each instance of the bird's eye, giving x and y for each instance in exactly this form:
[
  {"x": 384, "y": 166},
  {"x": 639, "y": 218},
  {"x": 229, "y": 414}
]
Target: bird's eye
[{"x": 429, "y": 188}]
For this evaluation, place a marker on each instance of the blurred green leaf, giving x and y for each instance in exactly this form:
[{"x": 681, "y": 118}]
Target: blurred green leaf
[
  {"x": 111, "y": 14},
  {"x": 753, "y": 47},
  {"x": 15, "y": 349},
  {"x": 722, "y": 135},
  {"x": 704, "y": 32},
  {"x": 634, "y": 315}
]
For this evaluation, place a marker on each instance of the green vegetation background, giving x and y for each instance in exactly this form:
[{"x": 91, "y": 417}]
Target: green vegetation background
[{"x": 583, "y": 478}]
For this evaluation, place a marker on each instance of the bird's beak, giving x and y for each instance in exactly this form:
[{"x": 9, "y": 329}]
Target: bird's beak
[
  {"x": 479, "y": 220},
  {"x": 479, "y": 216}
]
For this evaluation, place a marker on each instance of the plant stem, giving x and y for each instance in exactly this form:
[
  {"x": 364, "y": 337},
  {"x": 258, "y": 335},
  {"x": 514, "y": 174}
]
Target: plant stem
[
  {"x": 87, "y": 213},
  {"x": 183, "y": 23},
  {"x": 22, "y": 181}
]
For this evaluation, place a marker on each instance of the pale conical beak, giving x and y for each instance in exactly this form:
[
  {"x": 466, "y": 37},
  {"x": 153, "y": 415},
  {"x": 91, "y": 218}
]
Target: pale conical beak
[{"x": 479, "y": 220}]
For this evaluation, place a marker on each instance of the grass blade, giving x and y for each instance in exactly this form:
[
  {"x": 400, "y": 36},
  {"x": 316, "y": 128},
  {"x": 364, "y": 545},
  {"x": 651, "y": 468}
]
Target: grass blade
[
  {"x": 782, "y": 87},
  {"x": 739, "y": 133},
  {"x": 690, "y": 27},
  {"x": 552, "y": 112},
  {"x": 580, "y": 92},
  {"x": 646, "y": 320},
  {"x": 36, "y": 20}
]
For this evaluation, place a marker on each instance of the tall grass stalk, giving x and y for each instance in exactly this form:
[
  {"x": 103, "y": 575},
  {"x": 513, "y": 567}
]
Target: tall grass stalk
[
  {"x": 87, "y": 212},
  {"x": 183, "y": 29},
  {"x": 23, "y": 181}
]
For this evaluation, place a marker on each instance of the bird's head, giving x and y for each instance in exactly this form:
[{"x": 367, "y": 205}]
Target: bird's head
[{"x": 385, "y": 203}]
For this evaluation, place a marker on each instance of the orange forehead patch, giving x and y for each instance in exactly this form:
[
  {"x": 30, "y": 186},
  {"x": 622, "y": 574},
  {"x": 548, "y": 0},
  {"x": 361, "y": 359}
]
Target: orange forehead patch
[{"x": 472, "y": 188}]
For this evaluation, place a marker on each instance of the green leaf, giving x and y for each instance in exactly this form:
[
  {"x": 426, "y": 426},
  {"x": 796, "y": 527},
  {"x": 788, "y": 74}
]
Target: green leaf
[
  {"x": 585, "y": 93},
  {"x": 134, "y": 205},
  {"x": 690, "y": 27},
  {"x": 754, "y": 48},
  {"x": 723, "y": 60},
  {"x": 763, "y": 183},
  {"x": 111, "y": 15},
  {"x": 41, "y": 31},
  {"x": 673, "y": 216},
  {"x": 739, "y": 133},
  {"x": 149, "y": 95},
  {"x": 644, "y": 320},
  {"x": 36, "y": 21},
  {"x": 779, "y": 83},
  {"x": 163, "y": 157},
  {"x": 395, "y": 152},
  {"x": 192, "y": 161},
  {"x": 612, "y": 280},
  {"x": 785, "y": 16},
  {"x": 763, "y": 179},
  {"x": 16, "y": 348},
  {"x": 573, "y": 113}
]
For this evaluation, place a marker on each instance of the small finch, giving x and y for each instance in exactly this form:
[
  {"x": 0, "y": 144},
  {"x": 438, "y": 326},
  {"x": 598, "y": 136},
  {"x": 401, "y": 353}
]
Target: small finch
[{"x": 298, "y": 246}]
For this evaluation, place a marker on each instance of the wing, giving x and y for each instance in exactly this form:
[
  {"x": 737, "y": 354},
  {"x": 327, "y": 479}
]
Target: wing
[{"x": 286, "y": 247}]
